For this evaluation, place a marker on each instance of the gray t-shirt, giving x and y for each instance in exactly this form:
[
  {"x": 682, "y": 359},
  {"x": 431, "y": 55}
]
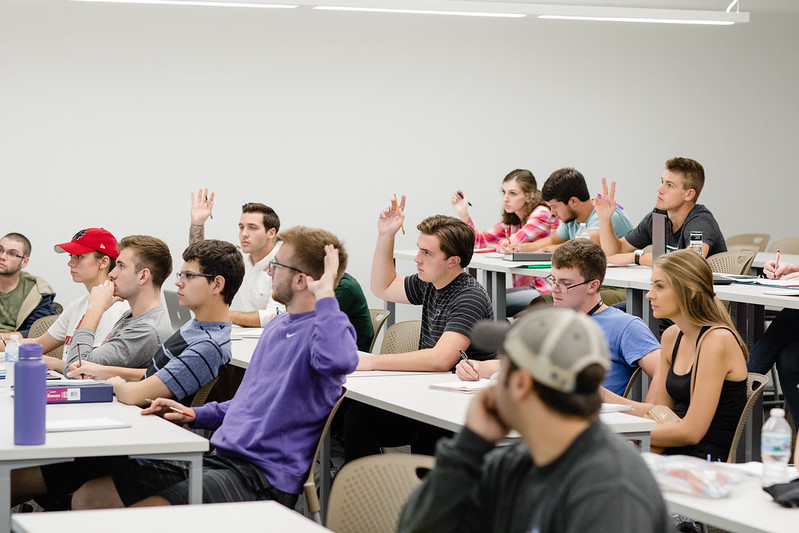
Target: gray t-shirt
[
  {"x": 698, "y": 219},
  {"x": 131, "y": 343}
]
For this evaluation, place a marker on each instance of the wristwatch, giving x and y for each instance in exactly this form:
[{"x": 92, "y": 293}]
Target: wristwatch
[{"x": 637, "y": 256}]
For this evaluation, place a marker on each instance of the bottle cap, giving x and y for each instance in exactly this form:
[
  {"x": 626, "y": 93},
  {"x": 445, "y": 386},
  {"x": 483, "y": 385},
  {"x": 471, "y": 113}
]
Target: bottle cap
[
  {"x": 30, "y": 351},
  {"x": 776, "y": 411},
  {"x": 14, "y": 337}
]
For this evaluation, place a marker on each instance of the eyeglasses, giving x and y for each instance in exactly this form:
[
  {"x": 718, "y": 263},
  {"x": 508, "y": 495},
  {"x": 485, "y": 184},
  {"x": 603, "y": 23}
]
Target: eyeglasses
[
  {"x": 275, "y": 264},
  {"x": 562, "y": 287},
  {"x": 11, "y": 253},
  {"x": 186, "y": 276}
]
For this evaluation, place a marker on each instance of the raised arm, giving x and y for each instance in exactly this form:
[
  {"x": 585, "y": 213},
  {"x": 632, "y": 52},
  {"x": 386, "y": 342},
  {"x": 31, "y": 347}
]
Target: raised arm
[
  {"x": 461, "y": 205},
  {"x": 605, "y": 206},
  {"x": 385, "y": 283},
  {"x": 201, "y": 207}
]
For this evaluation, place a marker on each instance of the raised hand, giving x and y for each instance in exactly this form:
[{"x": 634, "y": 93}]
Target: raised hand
[
  {"x": 201, "y": 206},
  {"x": 605, "y": 203},
  {"x": 461, "y": 205},
  {"x": 323, "y": 287},
  {"x": 391, "y": 218}
]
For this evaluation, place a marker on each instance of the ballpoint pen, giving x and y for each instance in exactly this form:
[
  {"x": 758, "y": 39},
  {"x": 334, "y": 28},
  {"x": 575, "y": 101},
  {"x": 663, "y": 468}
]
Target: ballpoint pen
[
  {"x": 460, "y": 195},
  {"x": 465, "y": 358},
  {"x": 777, "y": 262},
  {"x": 184, "y": 413}
]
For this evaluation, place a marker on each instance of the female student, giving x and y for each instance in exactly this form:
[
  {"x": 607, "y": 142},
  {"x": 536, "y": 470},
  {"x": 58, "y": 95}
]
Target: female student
[
  {"x": 703, "y": 375},
  {"x": 525, "y": 218},
  {"x": 92, "y": 255}
]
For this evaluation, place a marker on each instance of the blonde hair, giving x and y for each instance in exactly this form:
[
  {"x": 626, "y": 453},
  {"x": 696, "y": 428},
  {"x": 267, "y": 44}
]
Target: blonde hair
[{"x": 692, "y": 280}]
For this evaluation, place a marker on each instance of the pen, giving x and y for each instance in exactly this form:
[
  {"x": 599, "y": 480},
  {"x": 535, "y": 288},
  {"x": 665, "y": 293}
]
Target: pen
[
  {"x": 460, "y": 195},
  {"x": 618, "y": 206},
  {"x": 184, "y": 413},
  {"x": 396, "y": 205},
  {"x": 777, "y": 263},
  {"x": 465, "y": 358},
  {"x": 210, "y": 214}
]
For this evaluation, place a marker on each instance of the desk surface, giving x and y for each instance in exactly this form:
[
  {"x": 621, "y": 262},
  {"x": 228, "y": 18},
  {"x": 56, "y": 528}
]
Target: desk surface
[
  {"x": 147, "y": 434},
  {"x": 249, "y": 517},
  {"x": 747, "y": 510}
]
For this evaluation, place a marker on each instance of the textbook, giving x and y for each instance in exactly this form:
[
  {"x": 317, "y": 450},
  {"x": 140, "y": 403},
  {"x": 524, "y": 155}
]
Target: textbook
[
  {"x": 528, "y": 256},
  {"x": 462, "y": 386},
  {"x": 79, "y": 391}
]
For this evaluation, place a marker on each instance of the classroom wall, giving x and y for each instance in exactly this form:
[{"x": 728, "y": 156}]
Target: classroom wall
[{"x": 112, "y": 114}]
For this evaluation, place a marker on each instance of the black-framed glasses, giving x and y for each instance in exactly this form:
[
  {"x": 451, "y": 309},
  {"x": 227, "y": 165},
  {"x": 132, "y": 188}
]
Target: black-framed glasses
[
  {"x": 186, "y": 276},
  {"x": 275, "y": 264},
  {"x": 11, "y": 253},
  {"x": 562, "y": 287}
]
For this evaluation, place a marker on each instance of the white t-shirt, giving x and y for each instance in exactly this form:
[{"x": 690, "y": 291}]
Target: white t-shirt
[
  {"x": 64, "y": 327},
  {"x": 255, "y": 293}
]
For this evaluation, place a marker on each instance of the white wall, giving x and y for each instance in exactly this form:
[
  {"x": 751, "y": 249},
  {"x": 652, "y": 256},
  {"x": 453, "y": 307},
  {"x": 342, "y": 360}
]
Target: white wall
[{"x": 111, "y": 114}]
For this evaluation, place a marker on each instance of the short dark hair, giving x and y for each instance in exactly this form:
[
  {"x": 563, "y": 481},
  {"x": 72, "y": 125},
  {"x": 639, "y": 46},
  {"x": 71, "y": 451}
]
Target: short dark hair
[
  {"x": 455, "y": 237},
  {"x": 151, "y": 253},
  {"x": 693, "y": 173},
  {"x": 564, "y": 184},
  {"x": 584, "y": 255},
  {"x": 309, "y": 250},
  {"x": 584, "y": 402},
  {"x": 219, "y": 258},
  {"x": 271, "y": 220},
  {"x": 22, "y": 239}
]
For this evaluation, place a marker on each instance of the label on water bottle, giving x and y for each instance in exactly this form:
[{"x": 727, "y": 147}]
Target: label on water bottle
[{"x": 773, "y": 443}]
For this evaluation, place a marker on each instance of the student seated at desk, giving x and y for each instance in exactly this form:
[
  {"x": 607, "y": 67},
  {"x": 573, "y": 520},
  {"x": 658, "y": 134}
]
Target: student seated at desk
[
  {"x": 578, "y": 268},
  {"x": 266, "y": 436},
  {"x": 143, "y": 265},
  {"x": 525, "y": 218},
  {"x": 193, "y": 355},
  {"x": 703, "y": 374},
  {"x": 780, "y": 343},
  {"x": 568, "y": 473},
  {"x": 452, "y": 302},
  {"x": 92, "y": 255}
]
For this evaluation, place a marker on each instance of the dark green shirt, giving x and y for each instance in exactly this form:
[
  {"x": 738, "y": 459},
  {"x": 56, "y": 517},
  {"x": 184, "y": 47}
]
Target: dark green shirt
[{"x": 353, "y": 303}]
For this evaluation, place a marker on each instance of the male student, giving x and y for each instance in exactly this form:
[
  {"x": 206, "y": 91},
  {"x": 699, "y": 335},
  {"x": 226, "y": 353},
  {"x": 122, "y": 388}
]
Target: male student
[
  {"x": 452, "y": 302},
  {"x": 143, "y": 265},
  {"x": 568, "y": 473},
  {"x": 24, "y": 298},
  {"x": 680, "y": 185},
  {"x": 267, "y": 434},
  {"x": 193, "y": 355},
  {"x": 578, "y": 268},
  {"x": 258, "y": 227},
  {"x": 566, "y": 194}
]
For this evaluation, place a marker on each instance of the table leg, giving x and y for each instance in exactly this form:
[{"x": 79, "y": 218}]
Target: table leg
[{"x": 5, "y": 486}]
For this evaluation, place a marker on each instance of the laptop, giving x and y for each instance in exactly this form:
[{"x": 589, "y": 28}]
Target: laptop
[
  {"x": 658, "y": 235},
  {"x": 178, "y": 315}
]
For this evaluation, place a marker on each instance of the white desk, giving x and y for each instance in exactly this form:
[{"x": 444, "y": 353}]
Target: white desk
[
  {"x": 148, "y": 437},
  {"x": 747, "y": 510},
  {"x": 248, "y": 517},
  {"x": 494, "y": 277},
  {"x": 241, "y": 351}
]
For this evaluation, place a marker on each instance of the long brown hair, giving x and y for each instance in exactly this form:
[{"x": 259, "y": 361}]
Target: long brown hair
[{"x": 529, "y": 187}]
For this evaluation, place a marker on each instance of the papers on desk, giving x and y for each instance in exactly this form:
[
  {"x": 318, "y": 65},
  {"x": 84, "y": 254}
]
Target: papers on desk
[
  {"x": 85, "y": 424},
  {"x": 782, "y": 292},
  {"x": 462, "y": 386},
  {"x": 615, "y": 408},
  {"x": 765, "y": 281}
]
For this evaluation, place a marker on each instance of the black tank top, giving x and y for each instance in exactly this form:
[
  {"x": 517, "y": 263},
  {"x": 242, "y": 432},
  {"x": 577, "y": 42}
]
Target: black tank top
[{"x": 716, "y": 442}]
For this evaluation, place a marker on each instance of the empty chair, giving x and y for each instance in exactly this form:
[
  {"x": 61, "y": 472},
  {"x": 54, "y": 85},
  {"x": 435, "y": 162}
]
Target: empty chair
[
  {"x": 40, "y": 327},
  {"x": 754, "y": 388},
  {"x": 757, "y": 239},
  {"x": 369, "y": 493},
  {"x": 731, "y": 262},
  {"x": 402, "y": 337},
  {"x": 379, "y": 317},
  {"x": 786, "y": 246},
  {"x": 753, "y": 248}
]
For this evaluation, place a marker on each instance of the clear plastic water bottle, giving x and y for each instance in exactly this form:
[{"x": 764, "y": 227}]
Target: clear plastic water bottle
[
  {"x": 30, "y": 396},
  {"x": 775, "y": 448},
  {"x": 582, "y": 232},
  {"x": 695, "y": 242},
  {"x": 12, "y": 354}
]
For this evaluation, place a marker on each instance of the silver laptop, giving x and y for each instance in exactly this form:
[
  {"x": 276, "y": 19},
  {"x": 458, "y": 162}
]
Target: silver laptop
[{"x": 178, "y": 315}]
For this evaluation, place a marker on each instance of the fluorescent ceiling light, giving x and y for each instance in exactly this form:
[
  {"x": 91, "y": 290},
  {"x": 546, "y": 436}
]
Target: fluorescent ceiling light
[
  {"x": 421, "y": 11},
  {"x": 639, "y": 19},
  {"x": 194, "y": 3}
]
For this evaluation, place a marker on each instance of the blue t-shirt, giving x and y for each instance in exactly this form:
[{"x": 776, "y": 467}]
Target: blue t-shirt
[
  {"x": 629, "y": 340},
  {"x": 191, "y": 357},
  {"x": 621, "y": 225}
]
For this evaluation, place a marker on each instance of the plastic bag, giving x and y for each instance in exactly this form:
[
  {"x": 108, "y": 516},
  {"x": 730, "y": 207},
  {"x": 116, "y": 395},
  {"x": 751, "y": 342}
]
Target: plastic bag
[{"x": 692, "y": 475}]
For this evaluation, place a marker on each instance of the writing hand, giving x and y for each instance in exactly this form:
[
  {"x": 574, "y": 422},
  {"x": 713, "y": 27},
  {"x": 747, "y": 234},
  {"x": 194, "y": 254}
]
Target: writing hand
[{"x": 467, "y": 371}]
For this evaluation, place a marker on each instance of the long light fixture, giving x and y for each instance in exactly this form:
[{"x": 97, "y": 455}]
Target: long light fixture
[{"x": 482, "y": 8}]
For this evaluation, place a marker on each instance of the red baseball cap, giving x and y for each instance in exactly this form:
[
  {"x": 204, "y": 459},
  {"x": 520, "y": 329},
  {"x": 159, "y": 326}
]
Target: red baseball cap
[{"x": 90, "y": 240}]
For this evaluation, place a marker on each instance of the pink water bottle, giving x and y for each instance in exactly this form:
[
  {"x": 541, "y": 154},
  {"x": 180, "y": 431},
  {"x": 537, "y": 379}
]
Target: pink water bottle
[{"x": 30, "y": 395}]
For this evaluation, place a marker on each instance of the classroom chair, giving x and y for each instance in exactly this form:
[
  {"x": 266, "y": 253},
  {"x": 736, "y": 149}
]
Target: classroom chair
[
  {"x": 737, "y": 262},
  {"x": 754, "y": 389},
  {"x": 631, "y": 382},
  {"x": 369, "y": 493},
  {"x": 40, "y": 327},
  {"x": 379, "y": 317},
  {"x": 760, "y": 240},
  {"x": 785, "y": 246},
  {"x": 402, "y": 337}
]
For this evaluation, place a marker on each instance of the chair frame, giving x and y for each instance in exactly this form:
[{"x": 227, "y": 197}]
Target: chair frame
[
  {"x": 379, "y": 317},
  {"x": 399, "y": 328},
  {"x": 755, "y": 384},
  {"x": 44, "y": 324},
  {"x": 758, "y": 240}
]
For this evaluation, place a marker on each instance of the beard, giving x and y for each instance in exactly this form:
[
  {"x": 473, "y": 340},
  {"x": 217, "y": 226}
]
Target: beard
[{"x": 282, "y": 294}]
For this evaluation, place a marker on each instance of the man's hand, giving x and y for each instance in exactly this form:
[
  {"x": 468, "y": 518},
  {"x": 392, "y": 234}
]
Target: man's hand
[
  {"x": 482, "y": 416},
  {"x": 88, "y": 370},
  {"x": 605, "y": 203},
  {"x": 166, "y": 408},
  {"x": 323, "y": 287},
  {"x": 468, "y": 371},
  {"x": 391, "y": 218},
  {"x": 101, "y": 297},
  {"x": 201, "y": 207}
]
